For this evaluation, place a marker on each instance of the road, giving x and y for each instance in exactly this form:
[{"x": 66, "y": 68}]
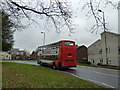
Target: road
[{"x": 105, "y": 77}]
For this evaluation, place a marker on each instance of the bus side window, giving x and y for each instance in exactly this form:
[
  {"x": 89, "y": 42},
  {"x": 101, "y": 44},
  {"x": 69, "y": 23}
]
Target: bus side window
[
  {"x": 55, "y": 47},
  {"x": 58, "y": 46}
]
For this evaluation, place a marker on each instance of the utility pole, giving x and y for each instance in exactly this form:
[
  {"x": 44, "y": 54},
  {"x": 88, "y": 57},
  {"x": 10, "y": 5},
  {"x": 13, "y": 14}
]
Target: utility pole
[
  {"x": 105, "y": 37},
  {"x": 43, "y": 38}
]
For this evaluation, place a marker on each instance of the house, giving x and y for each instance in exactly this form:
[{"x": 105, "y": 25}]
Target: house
[
  {"x": 94, "y": 52},
  {"x": 82, "y": 54},
  {"x": 33, "y": 55},
  {"x": 5, "y": 56},
  {"x": 19, "y": 53},
  {"x": 105, "y": 51},
  {"x": 14, "y": 52}
]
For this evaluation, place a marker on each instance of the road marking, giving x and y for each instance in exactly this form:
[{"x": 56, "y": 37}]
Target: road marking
[{"x": 90, "y": 80}]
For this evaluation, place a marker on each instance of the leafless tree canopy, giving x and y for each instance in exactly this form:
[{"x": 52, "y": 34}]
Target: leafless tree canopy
[
  {"x": 58, "y": 11},
  {"x": 53, "y": 9},
  {"x": 94, "y": 7}
]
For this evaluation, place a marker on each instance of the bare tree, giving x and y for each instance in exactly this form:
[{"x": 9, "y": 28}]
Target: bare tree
[
  {"x": 94, "y": 7},
  {"x": 58, "y": 12}
]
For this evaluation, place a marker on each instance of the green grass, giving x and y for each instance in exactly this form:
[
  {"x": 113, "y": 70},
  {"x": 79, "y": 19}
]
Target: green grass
[
  {"x": 16, "y": 75},
  {"x": 109, "y": 67}
]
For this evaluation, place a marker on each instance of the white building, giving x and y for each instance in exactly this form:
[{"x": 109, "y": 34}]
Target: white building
[
  {"x": 109, "y": 54},
  {"x": 5, "y": 56},
  {"x": 98, "y": 53}
]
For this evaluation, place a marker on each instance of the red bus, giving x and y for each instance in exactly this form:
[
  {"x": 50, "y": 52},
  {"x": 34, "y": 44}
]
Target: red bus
[{"x": 58, "y": 55}]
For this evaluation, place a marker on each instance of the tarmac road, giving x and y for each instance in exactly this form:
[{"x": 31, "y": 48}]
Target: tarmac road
[
  {"x": 109, "y": 78},
  {"x": 105, "y": 77}
]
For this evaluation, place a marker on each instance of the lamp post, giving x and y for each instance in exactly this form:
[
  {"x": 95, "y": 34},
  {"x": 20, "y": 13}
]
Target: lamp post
[
  {"x": 44, "y": 38},
  {"x": 105, "y": 36}
]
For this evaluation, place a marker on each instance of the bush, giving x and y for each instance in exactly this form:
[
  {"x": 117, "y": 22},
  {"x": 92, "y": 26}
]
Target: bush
[
  {"x": 88, "y": 62},
  {"x": 99, "y": 64}
]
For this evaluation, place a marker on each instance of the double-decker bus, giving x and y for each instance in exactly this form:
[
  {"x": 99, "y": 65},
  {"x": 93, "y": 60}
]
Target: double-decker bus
[{"x": 58, "y": 55}]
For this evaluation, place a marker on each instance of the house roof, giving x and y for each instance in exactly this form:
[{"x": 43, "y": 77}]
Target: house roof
[
  {"x": 81, "y": 46},
  {"x": 111, "y": 33},
  {"x": 95, "y": 42},
  {"x": 103, "y": 33}
]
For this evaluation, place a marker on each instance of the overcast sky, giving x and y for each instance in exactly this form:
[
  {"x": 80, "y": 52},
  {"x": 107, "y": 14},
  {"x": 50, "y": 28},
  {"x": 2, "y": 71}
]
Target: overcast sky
[{"x": 31, "y": 37}]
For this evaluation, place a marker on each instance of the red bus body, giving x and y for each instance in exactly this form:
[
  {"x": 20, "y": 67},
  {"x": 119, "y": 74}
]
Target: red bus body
[{"x": 65, "y": 55}]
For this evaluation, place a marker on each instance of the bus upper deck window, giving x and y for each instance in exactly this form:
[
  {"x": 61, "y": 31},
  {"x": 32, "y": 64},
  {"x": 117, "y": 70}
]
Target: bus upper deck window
[
  {"x": 69, "y": 43},
  {"x": 58, "y": 45}
]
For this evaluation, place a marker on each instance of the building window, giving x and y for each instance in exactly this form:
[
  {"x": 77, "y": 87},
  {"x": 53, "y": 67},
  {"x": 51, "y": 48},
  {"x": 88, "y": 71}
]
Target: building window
[
  {"x": 108, "y": 50},
  {"x": 119, "y": 51},
  {"x": 101, "y": 61},
  {"x": 100, "y": 51},
  {"x": 7, "y": 56},
  {"x": 109, "y": 61},
  {"x": 119, "y": 62}
]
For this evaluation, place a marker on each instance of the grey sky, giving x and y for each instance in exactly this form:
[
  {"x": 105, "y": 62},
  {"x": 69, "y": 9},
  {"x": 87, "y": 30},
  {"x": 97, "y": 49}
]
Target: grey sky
[{"x": 31, "y": 37}]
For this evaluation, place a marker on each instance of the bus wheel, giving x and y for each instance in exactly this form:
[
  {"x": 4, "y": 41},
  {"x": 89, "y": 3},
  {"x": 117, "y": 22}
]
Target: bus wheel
[{"x": 54, "y": 66}]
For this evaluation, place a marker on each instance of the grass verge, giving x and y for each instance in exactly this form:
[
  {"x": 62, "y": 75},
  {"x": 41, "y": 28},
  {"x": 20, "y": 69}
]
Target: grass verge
[
  {"x": 109, "y": 67},
  {"x": 17, "y": 75}
]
